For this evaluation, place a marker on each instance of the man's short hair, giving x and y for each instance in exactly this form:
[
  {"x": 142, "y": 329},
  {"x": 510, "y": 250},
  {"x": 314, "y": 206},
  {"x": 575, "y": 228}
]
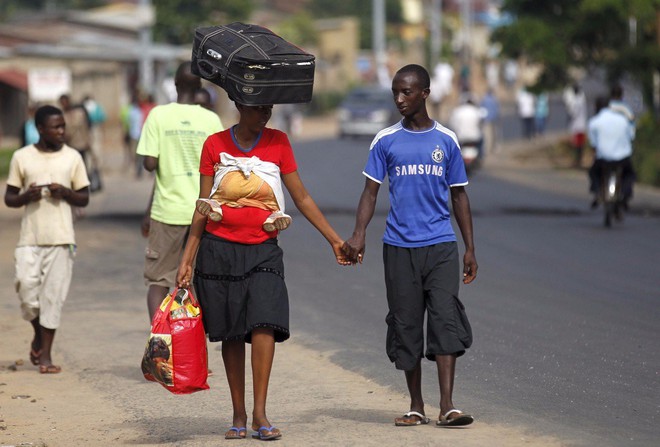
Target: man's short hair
[
  {"x": 616, "y": 92},
  {"x": 43, "y": 113},
  {"x": 185, "y": 80},
  {"x": 419, "y": 71}
]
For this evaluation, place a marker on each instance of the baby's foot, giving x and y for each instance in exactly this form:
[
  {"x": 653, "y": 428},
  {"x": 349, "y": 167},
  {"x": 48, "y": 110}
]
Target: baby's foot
[
  {"x": 210, "y": 208},
  {"x": 277, "y": 221}
]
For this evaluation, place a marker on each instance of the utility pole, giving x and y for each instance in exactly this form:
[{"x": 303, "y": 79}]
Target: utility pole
[
  {"x": 466, "y": 19},
  {"x": 378, "y": 42},
  {"x": 146, "y": 61},
  {"x": 436, "y": 32},
  {"x": 656, "y": 74}
]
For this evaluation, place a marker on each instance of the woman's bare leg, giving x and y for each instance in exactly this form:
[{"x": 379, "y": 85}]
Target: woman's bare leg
[
  {"x": 233, "y": 355},
  {"x": 263, "y": 353}
]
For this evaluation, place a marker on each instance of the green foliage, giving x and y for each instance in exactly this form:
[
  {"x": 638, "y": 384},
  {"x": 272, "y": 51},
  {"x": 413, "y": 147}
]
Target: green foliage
[
  {"x": 5, "y": 158},
  {"x": 299, "y": 28},
  {"x": 10, "y": 7},
  {"x": 559, "y": 34},
  {"x": 176, "y": 20},
  {"x": 324, "y": 102},
  {"x": 646, "y": 156},
  {"x": 360, "y": 9}
]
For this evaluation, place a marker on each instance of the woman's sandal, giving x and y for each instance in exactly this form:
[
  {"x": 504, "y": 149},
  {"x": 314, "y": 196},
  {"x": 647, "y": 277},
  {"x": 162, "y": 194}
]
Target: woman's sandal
[
  {"x": 236, "y": 433},
  {"x": 267, "y": 433},
  {"x": 34, "y": 356},
  {"x": 49, "y": 369}
]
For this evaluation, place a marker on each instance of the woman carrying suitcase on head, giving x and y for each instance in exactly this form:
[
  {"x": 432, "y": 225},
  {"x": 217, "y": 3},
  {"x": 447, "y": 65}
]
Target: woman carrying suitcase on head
[{"x": 239, "y": 270}]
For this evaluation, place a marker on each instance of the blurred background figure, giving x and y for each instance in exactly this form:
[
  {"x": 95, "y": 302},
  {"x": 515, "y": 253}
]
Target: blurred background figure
[
  {"x": 146, "y": 103},
  {"x": 492, "y": 73},
  {"x": 541, "y": 112},
  {"x": 288, "y": 119},
  {"x": 29, "y": 132},
  {"x": 97, "y": 117},
  {"x": 77, "y": 133},
  {"x": 611, "y": 132},
  {"x": 575, "y": 102},
  {"x": 203, "y": 98},
  {"x": 526, "y": 111},
  {"x": 511, "y": 74},
  {"x": 466, "y": 121},
  {"x": 135, "y": 120},
  {"x": 464, "y": 78},
  {"x": 441, "y": 84},
  {"x": 491, "y": 105}
]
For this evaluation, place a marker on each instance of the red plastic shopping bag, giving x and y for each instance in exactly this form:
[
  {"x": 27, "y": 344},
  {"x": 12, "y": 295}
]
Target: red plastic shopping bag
[{"x": 176, "y": 355}]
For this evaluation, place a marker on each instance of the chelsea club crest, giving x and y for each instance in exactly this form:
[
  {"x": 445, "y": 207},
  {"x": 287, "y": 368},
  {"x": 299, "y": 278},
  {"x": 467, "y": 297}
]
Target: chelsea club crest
[{"x": 437, "y": 154}]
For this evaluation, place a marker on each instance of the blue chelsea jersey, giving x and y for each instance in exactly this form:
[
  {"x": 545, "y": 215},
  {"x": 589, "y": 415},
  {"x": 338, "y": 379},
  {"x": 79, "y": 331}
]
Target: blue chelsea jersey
[{"x": 421, "y": 166}]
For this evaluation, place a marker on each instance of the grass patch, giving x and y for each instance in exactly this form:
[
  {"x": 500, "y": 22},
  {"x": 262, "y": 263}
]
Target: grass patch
[
  {"x": 5, "y": 158},
  {"x": 646, "y": 153}
]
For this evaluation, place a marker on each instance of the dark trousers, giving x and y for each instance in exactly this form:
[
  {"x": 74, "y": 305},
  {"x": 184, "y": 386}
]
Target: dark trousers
[{"x": 627, "y": 176}]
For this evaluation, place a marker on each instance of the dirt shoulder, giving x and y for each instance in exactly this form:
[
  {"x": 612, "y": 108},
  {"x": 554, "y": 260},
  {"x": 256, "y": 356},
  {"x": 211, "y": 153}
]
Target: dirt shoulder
[{"x": 313, "y": 401}]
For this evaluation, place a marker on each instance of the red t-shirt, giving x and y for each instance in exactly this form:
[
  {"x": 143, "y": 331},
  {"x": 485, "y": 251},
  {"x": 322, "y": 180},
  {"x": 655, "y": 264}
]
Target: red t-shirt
[{"x": 244, "y": 225}]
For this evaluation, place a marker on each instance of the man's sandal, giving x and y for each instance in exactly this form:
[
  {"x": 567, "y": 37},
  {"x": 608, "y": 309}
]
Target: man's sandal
[
  {"x": 461, "y": 419},
  {"x": 50, "y": 369},
  {"x": 34, "y": 356},
  {"x": 408, "y": 419}
]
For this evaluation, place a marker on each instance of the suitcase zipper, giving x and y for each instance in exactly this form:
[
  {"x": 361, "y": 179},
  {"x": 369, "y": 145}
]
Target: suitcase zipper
[{"x": 270, "y": 83}]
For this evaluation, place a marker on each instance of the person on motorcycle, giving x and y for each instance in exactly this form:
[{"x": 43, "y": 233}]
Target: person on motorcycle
[
  {"x": 611, "y": 132},
  {"x": 466, "y": 121}
]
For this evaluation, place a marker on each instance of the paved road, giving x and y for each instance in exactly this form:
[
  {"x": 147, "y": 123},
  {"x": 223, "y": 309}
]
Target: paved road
[{"x": 564, "y": 311}]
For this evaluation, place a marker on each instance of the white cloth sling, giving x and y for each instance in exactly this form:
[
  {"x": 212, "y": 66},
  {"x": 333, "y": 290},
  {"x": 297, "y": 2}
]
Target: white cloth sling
[{"x": 266, "y": 170}]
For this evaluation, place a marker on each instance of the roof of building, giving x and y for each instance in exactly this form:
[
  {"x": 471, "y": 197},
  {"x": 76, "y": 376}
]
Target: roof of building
[{"x": 105, "y": 33}]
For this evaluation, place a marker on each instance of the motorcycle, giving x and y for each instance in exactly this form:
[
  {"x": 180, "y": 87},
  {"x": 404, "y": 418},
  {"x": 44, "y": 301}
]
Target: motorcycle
[
  {"x": 470, "y": 155},
  {"x": 611, "y": 191}
]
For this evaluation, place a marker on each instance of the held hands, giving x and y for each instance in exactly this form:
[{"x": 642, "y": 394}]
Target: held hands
[
  {"x": 341, "y": 257},
  {"x": 353, "y": 249}
]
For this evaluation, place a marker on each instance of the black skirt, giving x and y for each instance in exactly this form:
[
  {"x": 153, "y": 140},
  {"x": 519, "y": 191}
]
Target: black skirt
[{"x": 241, "y": 287}]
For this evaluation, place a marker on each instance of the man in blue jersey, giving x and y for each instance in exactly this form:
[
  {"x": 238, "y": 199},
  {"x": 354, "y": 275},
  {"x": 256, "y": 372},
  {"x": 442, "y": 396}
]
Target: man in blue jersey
[{"x": 422, "y": 160}]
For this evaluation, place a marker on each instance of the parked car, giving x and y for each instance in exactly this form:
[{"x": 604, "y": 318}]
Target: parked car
[{"x": 365, "y": 111}]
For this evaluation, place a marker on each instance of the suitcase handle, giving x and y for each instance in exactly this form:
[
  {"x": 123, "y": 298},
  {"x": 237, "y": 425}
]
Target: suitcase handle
[{"x": 207, "y": 70}]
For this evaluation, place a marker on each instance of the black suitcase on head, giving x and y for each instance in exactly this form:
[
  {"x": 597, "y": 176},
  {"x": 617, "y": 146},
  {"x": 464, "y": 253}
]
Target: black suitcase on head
[{"x": 253, "y": 65}]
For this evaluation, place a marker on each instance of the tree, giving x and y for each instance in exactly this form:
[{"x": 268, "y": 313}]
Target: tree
[
  {"x": 176, "y": 20},
  {"x": 10, "y": 7},
  {"x": 620, "y": 36},
  {"x": 360, "y": 9},
  {"x": 299, "y": 28}
]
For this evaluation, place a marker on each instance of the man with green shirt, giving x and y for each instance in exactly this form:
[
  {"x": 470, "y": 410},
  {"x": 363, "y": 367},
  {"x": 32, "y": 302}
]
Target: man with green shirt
[{"x": 171, "y": 143}]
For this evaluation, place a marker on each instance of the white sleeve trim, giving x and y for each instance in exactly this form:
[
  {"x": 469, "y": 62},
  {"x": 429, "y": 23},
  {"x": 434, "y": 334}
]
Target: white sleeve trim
[
  {"x": 371, "y": 178},
  {"x": 458, "y": 184}
]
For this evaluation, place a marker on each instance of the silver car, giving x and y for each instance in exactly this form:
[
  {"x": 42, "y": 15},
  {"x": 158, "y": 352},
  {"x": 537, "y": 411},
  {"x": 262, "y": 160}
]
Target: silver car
[{"x": 365, "y": 111}]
